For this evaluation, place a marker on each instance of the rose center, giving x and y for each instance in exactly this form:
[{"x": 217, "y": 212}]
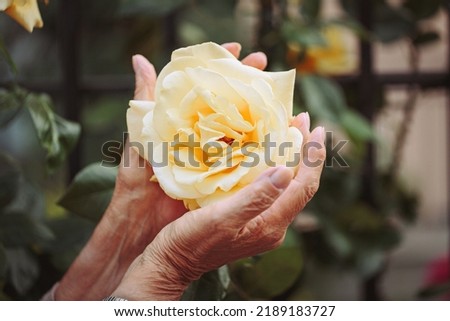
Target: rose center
[{"x": 227, "y": 140}]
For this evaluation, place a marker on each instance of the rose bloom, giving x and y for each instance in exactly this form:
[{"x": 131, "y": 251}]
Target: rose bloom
[
  {"x": 215, "y": 124},
  {"x": 333, "y": 58},
  {"x": 25, "y": 12}
]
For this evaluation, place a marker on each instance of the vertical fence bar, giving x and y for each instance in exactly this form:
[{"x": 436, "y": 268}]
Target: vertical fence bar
[
  {"x": 448, "y": 130},
  {"x": 265, "y": 27},
  {"x": 366, "y": 103},
  {"x": 171, "y": 32},
  {"x": 69, "y": 35}
]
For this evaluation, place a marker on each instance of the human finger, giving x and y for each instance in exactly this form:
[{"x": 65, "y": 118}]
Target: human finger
[
  {"x": 252, "y": 200},
  {"x": 302, "y": 122},
  {"x": 305, "y": 184},
  {"x": 256, "y": 59},
  {"x": 233, "y": 47},
  {"x": 145, "y": 78}
]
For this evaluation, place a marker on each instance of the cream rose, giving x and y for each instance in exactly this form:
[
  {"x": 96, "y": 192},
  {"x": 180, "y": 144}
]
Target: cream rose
[{"x": 215, "y": 124}]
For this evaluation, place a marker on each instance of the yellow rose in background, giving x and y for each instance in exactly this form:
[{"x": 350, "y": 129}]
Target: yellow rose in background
[
  {"x": 25, "y": 12},
  {"x": 331, "y": 59},
  {"x": 215, "y": 124}
]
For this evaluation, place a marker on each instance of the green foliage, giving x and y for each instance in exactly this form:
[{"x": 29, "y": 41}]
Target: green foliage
[
  {"x": 271, "y": 274},
  {"x": 326, "y": 101},
  {"x": 11, "y": 102},
  {"x": 423, "y": 9},
  {"x": 56, "y": 135},
  {"x": 24, "y": 229},
  {"x": 356, "y": 127},
  {"x": 90, "y": 192},
  {"x": 18, "y": 229},
  {"x": 212, "y": 286},
  {"x": 311, "y": 9},
  {"x": 6, "y": 56},
  {"x": 302, "y": 35},
  {"x": 392, "y": 23},
  {"x": 23, "y": 269},
  {"x": 323, "y": 98},
  {"x": 9, "y": 176}
]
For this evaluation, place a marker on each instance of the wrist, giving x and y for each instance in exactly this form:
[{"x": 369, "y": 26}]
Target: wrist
[
  {"x": 104, "y": 260},
  {"x": 150, "y": 281}
]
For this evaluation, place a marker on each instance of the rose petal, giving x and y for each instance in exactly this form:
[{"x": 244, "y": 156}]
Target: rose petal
[
  {"x": 283, "y": 88},
  {"x": 5, "y": 4},
  {"x": 135, "y": 123},
  {"x": 26, "y": 13},
  {"x": 217, "y": 196},
  {"x": 171, "y": 187},
  {"x": 204, "y": 52}
]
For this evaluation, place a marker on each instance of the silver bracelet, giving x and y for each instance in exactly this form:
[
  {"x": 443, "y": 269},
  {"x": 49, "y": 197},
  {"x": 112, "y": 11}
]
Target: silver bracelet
[{"x": 114, "y": 298}]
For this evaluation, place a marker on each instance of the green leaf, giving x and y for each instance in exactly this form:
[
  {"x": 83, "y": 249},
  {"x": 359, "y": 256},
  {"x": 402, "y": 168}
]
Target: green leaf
[
  {"x": 323, "y": 98},
  {"x": 338, "y": 241},
  {"x": 357, "y": 127},
  {"x": 57, "y": 136},
  {"x": 311, "y": 8},
  {"x": 271, "y": 274},
  {"x": 90, "y": 192},
  {"x": 9, "y": 180},
  {"x": 351, "y": 6},
  {"x": 212, "y": 286},
  {"x": 369, "y": 262},
  {"x": 392, "y": 23},
  {"x": 18, "y": 229},
  {"x": 71, "y": 234},
  {"x": 11, "y": 102},
  {"x": 23, "y": 269},
  {"x": 68, "y": 133},
  {"x": 423, "y": 9},
  {"x": 304, "y": 36},
  {"x": 7, "y": 57},
  {"x": 152, "y": 8}
]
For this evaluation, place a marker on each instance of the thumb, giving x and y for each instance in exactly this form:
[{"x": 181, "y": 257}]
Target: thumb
[
  {"x": 252, "y": 200},
  {"x": 145, "y": 81}
]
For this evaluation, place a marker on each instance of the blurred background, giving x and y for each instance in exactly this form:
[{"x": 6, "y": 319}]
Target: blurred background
[{"x": 375, "y": 73}]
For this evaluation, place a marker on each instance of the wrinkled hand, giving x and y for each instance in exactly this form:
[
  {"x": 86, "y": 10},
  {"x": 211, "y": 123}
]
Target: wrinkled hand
[
  {"x": 152, "y": 209},
  {"x": 252, "y": 221},
  {"x": 137, "y": 212}
]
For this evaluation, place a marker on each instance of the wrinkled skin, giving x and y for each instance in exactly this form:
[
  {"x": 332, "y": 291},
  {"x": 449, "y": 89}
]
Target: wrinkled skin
[{"x": 144, "y": 248}]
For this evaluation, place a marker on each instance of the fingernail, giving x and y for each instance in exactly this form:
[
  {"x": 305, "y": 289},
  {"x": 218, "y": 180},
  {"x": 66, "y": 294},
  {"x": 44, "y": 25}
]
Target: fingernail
[
  {"x": 236, "y": 44},
  {"x": 307, "y": 120},
  {"x": 318, "y": 134},
  {"x": 302, "y": 119},
  {"x": 281, "y": 177}
]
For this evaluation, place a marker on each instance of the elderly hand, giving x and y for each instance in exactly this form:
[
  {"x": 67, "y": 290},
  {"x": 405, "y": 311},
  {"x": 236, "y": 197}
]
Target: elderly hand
[
  {"x": 136, "y": 214},
  {"x": 252, "y": 221}
]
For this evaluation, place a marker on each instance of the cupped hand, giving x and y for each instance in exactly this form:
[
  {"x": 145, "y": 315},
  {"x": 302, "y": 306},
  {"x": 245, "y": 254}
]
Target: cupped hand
[
  {"x": 153, "y": 209},
  {"x": 138, "y": 210},
  {"x": 252, "y": 221}
]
